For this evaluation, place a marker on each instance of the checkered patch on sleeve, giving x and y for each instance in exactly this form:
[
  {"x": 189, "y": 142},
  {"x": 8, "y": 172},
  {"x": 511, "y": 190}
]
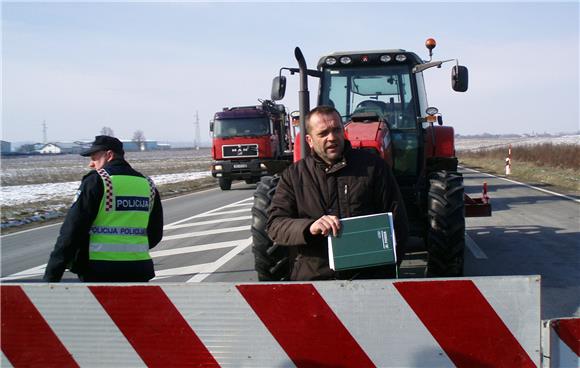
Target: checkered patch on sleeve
[
  {"x": 108, "y": 189},
  {"x": 151, "y": 192}
]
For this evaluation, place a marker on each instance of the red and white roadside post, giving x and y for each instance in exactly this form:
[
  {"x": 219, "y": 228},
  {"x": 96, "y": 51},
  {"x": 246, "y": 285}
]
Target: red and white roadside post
[{"x": 508, "y": 162}]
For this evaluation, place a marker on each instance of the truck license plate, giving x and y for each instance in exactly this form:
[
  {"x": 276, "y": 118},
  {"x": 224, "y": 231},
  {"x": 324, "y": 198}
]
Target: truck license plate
[{"x": 240, "y": 166}]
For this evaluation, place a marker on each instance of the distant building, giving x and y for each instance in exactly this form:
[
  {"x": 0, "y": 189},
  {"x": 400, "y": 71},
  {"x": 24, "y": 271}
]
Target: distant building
[
  {"x": 61, "y": 148},
  {"x": 6, "y": 147},
  {"x": 132, "y": 146}
]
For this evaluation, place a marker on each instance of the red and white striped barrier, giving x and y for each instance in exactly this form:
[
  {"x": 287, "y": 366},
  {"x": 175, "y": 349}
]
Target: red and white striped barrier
[
  {"x": 492, "y": 321},
  {"x": 561, "y": 343}
]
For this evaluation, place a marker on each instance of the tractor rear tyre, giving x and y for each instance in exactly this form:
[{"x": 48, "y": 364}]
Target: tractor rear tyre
[
  {"x": 225, "y": 183},
  {"x": 271, "y": 260},
  {"x": 446, "y": 218}
]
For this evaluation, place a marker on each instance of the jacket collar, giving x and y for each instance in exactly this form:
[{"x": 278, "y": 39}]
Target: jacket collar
[{"x": 319, "y": 163}]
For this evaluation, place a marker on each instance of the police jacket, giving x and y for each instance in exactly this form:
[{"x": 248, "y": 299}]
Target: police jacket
[
  {"x": 72, "y": 246},
  {"x": 361, "y": 184}
]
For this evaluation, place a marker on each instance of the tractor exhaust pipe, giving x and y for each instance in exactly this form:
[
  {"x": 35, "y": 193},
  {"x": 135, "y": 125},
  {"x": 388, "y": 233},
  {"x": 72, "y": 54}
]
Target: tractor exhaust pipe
[{"x": 303, "y": 99}]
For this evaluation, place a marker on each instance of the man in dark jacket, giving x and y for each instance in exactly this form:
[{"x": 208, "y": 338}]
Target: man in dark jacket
[
  {"x": 334, "y": 182},
  {"x": 116, "y": 217}
]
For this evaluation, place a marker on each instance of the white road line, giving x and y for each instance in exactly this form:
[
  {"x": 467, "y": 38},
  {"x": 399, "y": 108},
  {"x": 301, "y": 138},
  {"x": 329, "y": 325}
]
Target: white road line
[
  {"x": 208, "y": 222},
  {"x": 245, "y": 204},
  {"x": 525, "y": 185},
  {"x": 207, "y": 232},
  {"x": 222, "y": 213},
  {"x": 179, "y": 271},
  {"x": 212, "y": 267},
  {"x": 474, "y": 248},
  {"x": 194, "y": 249},
  {"x": 31, "y": 272},
  {"x": 208, "y": 212},
  {"x": 28, "y": 230}
]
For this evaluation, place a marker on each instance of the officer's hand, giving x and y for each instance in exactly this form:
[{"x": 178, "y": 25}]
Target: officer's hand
[{"x": 325, "y": 225}]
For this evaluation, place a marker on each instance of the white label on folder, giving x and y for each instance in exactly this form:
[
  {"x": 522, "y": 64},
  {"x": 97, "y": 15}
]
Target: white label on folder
[{"x": 382, "y": 234}]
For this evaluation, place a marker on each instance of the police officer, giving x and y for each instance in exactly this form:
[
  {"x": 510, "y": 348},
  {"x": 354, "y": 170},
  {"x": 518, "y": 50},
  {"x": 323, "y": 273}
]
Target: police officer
[{"x": 115, "y": 218}]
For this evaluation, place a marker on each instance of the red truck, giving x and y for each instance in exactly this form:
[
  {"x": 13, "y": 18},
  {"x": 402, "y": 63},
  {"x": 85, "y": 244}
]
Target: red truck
[{"x": 249, "y": 142}]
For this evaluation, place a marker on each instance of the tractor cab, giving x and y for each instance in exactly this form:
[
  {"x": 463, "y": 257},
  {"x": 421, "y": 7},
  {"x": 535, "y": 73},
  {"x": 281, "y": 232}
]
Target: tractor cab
[{"x": 377, "y": 92}]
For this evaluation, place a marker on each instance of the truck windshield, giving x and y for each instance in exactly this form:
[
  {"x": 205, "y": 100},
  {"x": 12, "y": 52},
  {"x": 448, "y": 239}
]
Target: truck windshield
[
  {"x": 245, "y": 127},
  {"x": 382, "y": 90}
]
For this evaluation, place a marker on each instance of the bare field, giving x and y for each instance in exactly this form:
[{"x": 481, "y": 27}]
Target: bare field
[
  {"x": 40, "y": 169},
  {"x": 39, "y": 188}
]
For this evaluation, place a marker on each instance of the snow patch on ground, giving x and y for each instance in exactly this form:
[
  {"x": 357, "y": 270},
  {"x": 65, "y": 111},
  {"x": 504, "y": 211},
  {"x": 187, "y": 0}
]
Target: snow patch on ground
[{"x": 22, "y": 194}]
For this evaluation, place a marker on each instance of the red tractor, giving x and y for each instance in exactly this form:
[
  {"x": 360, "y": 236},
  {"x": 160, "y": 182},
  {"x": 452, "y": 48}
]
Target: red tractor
[{"x": 381, "y": 97}]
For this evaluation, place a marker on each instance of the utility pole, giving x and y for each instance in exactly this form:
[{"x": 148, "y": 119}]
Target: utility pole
[
  {"x": 196, "y": 140},
  {"x": 44, "y": 132}
]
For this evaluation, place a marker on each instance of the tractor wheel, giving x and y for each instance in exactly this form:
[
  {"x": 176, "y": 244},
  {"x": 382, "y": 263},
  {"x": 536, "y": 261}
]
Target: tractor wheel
[
  {"x": 225, "y": 183},
  {"x": 271, "y": 260},
  {"x": 446, "y": 217}
]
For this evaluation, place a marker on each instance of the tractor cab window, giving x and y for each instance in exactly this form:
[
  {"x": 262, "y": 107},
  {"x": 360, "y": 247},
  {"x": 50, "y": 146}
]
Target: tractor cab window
[
  {"x": 381, "y": 90},
  {"x": 246, "y": 127}
]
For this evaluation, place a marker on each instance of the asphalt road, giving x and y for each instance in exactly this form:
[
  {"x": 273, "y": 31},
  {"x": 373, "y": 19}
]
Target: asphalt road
[{"x": 207, "y": 239}]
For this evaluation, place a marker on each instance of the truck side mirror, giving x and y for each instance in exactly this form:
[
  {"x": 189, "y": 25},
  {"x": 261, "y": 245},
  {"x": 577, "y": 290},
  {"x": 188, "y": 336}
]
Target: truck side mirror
[
  {"x": 459, "y": 78},
  {"x": 211, "y": 126},
  {"x": 278, "y": 88}
]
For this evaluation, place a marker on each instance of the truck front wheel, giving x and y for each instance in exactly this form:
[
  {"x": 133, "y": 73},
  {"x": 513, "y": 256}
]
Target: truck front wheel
[
  {"x": 446, "y": 217},
  {"x": 225, "y": 183},
  {"x": 271, "y": 260}
]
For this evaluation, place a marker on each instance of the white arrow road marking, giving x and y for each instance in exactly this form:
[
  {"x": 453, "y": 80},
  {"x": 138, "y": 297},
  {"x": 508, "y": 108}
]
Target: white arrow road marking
[
  {"x": 218, "y": 221},
  {"x": 212, "y": 267},
  {"x": 207, "y": 232},
  {"x": 178, "y": 271},
  {"x": 194, "y": 248},
  {"x": 209, "y": 212},
  {"x": 205, "y": 269}
]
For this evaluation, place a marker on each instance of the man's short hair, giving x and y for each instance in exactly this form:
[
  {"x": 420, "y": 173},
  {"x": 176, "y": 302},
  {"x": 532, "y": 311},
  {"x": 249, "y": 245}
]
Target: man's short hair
[{"x": 322, "y": 109}]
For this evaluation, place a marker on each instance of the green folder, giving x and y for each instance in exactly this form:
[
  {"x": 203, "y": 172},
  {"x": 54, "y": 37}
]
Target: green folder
[{"x": 364, "y": 241}]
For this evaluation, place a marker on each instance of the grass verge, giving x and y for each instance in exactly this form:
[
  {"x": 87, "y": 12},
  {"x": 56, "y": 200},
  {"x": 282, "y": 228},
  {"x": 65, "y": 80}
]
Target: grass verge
[{"x": 562, "y": 180}]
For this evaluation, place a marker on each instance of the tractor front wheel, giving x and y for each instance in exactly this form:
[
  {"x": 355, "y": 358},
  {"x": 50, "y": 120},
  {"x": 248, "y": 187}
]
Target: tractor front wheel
[
  {"x": 446, "y": 217},
  {"x": 271, "y": 259}
]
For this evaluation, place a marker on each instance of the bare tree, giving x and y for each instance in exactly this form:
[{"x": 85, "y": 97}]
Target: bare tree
[
  {"x": 139, "y": 139},
  {"x": 107, "y": 131}
]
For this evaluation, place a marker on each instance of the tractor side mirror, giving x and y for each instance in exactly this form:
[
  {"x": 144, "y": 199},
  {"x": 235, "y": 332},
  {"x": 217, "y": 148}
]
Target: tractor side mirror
[
  {"x": 211, "y": 126},
  {"x": 278, "y": 88},
  {"x": 459, "y": 78}
]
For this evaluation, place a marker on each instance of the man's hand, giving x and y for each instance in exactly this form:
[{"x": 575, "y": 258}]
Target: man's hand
[{"x": 325, "y": 225}]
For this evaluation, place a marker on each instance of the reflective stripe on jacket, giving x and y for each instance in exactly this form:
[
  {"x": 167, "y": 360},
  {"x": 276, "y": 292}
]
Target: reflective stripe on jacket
[{"x": 119, "y": 232}]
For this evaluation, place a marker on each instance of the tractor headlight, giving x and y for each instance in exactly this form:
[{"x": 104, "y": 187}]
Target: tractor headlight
[
  {"x": 262, "y": 166},
  {"x": 385, "y": 58},
  {"x": 401, "y": 57},
  {"x": 330, "y": 61},
  {"x": 217, "y": 167},
  {"x": 345, "y": 60},
  {"x": 432, "y": 110}
]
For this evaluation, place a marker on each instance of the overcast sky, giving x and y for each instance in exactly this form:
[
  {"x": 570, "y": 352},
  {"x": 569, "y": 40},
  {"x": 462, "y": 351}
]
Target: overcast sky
[{"x": 151, "y": 66}]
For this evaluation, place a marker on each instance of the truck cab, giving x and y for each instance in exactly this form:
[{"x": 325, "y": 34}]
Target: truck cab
[{"x": 246, "y": 139}]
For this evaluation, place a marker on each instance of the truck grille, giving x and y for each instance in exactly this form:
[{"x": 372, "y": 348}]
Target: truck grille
[{"x": 240, "y": 150}]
